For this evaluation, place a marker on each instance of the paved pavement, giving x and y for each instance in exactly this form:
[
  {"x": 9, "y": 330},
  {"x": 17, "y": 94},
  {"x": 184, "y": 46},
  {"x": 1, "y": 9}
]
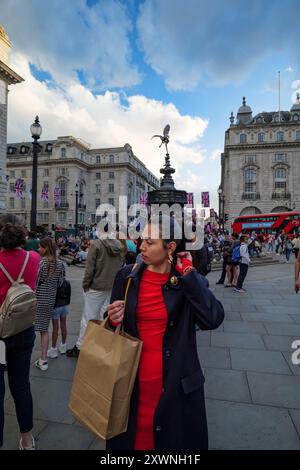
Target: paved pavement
[{"x": 252, "y": 387}]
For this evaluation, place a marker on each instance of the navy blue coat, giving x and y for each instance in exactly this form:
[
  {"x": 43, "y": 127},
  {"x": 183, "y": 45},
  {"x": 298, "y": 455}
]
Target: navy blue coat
[{"x": 180, "y": 418}]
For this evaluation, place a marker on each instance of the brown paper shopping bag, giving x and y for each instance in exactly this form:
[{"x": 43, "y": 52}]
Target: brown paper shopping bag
[{"x": 104, "y": 379}]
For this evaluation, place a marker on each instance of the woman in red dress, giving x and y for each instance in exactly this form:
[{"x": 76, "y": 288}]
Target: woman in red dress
[{"x": 165, "y": 300}]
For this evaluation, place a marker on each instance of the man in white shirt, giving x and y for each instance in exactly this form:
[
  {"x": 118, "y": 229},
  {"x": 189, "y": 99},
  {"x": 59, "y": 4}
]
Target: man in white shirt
[{"x": 244, "y": 263}]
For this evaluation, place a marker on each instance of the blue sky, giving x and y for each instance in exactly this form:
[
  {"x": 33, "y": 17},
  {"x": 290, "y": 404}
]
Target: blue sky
[{"x": 116, "y": 71}]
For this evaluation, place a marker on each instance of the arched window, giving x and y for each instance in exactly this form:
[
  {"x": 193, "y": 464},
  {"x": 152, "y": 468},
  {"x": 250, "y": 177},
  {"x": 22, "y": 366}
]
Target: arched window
[
  {"x": 63, "y": 153},
  {"x": 111, "y": 159},
  {"x": 243, "y": 138},
  {"x": 261, "y": 137},
  {"x": 280, "y": 136},
  {"x": 280, "y": 179},
  {"x": 250, "y": 182}
]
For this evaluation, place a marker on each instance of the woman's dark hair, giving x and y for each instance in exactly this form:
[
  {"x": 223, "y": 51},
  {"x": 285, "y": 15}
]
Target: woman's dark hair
[{"x": 12, "y": 232}]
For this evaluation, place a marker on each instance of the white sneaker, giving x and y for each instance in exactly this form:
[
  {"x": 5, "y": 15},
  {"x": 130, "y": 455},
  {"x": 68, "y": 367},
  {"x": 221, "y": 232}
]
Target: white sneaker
[
  {"x": 27, "y": 448},
  {"x": 42, "y": 365},
  {"x": 52, "y": 353},
  {"x": 62, "y": 348}
]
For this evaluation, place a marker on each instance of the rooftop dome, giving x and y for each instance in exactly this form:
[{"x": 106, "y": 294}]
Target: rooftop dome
[{"x": 244, "y": 109}]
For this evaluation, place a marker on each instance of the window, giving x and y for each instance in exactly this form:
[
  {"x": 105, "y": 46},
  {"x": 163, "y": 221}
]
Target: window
[
  {"x": 46, "y": 172},
  {"x": 62, "y": 217},
  {"x": 93, "y": 218},
  {"x": 261, "y": 137},
  {"x": 243, "y": 138},
  {"x": 49, "y": 148},
  {"x": 111, "y": 159},
  {"x": 111, "y": 174},
  {"x": 43, "y": 217},
  {"x": 250, "y": 181},
  {"x": 98, "y": 159},
  {"x": 98, "y": 188},
  {"x": 98, "y": 176},
  {"x": 97, "y": 203},
  {"x": 280, "y": 157},
  {"x": 11, "y": 187},
  {"x": 280, "y": 136},
  {"x": 63, "y": 153},
  {"x": 12, "y": 202},
  {"x": 62, "y": 171},
  {"x": 23, "y": 203},
  {"x": 111, "y": 188},
  {"x": 111, "y": 201},
  {"x": 12, "y": 174},
  {"x": 63, "y": 191},
  {"x": 296, "y": 117},
  {"x": 280, "y": 179},
  {"x": 45, "y": 204},
  {"x": 23, "y": 173},
  {"x": 250, "y": 158},
  {"x": 297, "y": 135}
]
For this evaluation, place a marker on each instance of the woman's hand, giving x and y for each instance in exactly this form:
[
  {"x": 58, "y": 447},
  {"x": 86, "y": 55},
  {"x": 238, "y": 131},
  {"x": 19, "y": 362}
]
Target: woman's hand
[
  {"x": 116, "y": 311},
  {"x": 184, "y": 259}
]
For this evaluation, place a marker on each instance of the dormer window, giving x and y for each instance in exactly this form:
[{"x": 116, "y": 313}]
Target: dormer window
[
  {"x": 296, "y": 117},
  {"x": 63, "y": 153},
  {"x": 261, "y": 137},
  {"x": 49, "y": 148},
  {"x": 23, "y": 149},
  {"x": 111, "y": 159}
]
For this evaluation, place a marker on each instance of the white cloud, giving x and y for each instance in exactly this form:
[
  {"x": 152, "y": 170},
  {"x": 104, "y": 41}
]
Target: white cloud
[
  {"x": 190, "y": 41},
  {"x": 215, "y": 154},
  {"x": 289, "y": 69},
  {"x": 104, "y": 120},
  {"x": 63, "y": 36}
]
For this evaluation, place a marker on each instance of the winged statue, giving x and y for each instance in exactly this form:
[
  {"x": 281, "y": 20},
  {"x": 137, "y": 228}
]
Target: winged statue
[{"x": 165, "y": 137}]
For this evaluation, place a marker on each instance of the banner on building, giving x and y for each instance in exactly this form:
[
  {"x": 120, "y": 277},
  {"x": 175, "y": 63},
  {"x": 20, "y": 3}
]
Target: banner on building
[
  {"x": 190, "y": 199},
  {"x": 30, "y": 192},
  {"x": 144, "y": 199},
  {"x": 19, "y": 188},
  {"x": 205, "y": 199},
  {"x": 45, "y": 193}
]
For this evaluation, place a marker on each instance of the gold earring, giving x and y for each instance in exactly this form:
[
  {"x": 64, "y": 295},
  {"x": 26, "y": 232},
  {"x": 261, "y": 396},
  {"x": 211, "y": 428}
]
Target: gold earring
[{"x": 170, "y": 258}]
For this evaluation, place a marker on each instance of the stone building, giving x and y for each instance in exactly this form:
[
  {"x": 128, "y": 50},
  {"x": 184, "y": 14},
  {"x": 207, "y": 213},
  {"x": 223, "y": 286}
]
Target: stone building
[
  {"x": 260, "y": 166},
  {"x": 7, "y": 77},
  {"x": 98, "y": 175}
]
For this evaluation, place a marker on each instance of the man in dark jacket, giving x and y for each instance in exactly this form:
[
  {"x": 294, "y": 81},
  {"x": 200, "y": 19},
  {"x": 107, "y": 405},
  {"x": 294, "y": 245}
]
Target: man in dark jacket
[{"x": 103, "y": 262}]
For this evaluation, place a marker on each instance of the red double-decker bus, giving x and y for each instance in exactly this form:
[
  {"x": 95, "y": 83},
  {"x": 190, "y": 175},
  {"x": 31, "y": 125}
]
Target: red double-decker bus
[{"x": 289, "y": 222}]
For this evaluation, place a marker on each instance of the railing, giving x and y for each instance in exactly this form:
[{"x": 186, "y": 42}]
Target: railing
[
  {"x": 251, "y": 196},
  {"x": 278, "y": 195},
  {"x": 62, "y": 205}
]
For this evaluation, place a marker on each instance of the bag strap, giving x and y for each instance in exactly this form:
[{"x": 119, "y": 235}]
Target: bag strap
[
  {"x": 11, "y": 280},
  {"x": 121, "y": 326},
  {"x": 23, "y": 267}
]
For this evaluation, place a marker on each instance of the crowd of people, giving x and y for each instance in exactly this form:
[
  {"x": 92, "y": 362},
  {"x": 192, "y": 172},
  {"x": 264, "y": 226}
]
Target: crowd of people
[{"x": 167, "y": 281}]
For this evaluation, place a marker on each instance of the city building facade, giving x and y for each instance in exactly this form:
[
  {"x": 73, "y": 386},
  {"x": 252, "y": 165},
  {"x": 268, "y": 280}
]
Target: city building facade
[
  {"x": 68, "y": 165},
  {"x": 7, "y": 77},
  {"x": 260, "y": 166}
]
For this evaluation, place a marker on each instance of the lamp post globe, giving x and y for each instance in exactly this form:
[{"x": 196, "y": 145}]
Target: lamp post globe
[{"x": 36, "y": 132}]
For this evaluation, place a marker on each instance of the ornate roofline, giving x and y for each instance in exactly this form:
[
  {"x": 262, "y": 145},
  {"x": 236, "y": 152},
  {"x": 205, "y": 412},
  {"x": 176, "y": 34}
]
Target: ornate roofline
[{"x": 9, "y": 75}]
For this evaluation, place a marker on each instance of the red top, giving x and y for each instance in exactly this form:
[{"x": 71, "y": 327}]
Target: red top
[
  {"x": 13, "y": 261},
  {"x": 151, "y": 318}
]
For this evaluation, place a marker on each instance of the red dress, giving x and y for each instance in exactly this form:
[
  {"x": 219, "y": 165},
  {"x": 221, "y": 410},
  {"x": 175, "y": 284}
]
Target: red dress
[{"x": 151, "y": 318}]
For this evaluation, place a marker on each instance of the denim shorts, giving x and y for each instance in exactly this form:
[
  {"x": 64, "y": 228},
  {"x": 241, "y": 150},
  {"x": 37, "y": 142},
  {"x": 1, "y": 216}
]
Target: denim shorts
[{"x": 60, "y": 312}]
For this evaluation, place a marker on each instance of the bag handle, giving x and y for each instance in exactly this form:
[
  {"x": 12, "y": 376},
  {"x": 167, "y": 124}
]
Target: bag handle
[{"x": 121, "y": 326}]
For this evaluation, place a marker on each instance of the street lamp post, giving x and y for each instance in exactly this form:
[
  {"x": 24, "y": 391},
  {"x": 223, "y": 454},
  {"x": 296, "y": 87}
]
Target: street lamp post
[
  {"x": 76, "y": 210},
  {"x": 36, "y": 132},
  {"x": 220, "y": 215}
]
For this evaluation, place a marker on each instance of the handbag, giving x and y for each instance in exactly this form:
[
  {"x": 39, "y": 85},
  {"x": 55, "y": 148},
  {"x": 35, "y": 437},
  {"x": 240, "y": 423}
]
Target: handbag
[{"x": 104, "y": 378}]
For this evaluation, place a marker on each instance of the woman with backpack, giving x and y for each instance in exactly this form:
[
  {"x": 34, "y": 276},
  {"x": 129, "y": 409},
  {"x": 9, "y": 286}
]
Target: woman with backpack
[
  {"x": 16, "y": 349},
  {"x": 51, "y": 276}
]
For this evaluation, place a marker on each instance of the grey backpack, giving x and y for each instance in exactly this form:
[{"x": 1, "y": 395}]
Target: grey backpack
[{"x": 18, "y": 311}]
